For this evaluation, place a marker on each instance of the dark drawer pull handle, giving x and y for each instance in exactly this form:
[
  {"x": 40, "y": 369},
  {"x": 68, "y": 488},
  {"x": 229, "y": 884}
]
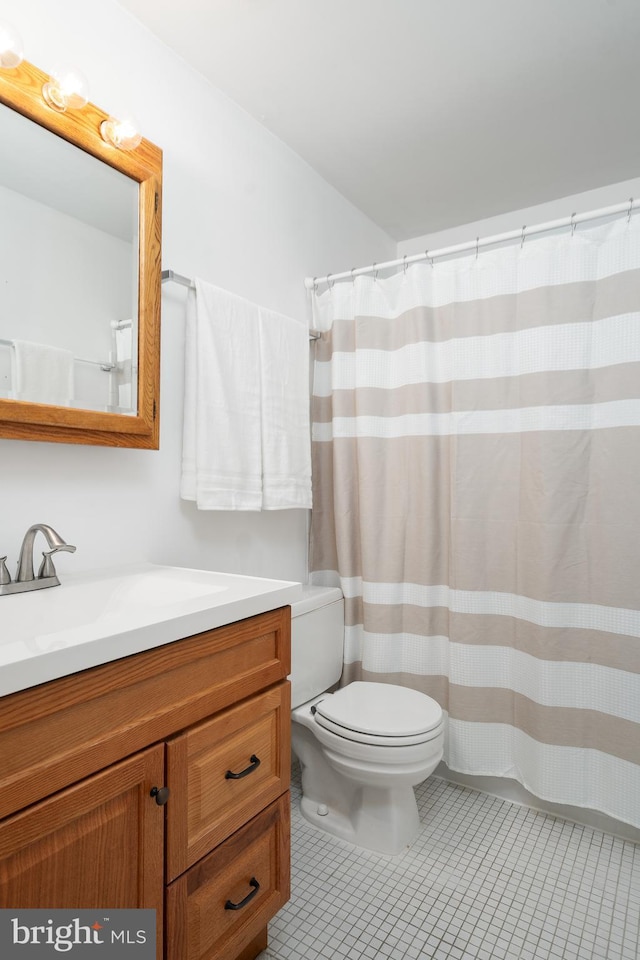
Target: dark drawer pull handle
[
  {"x": 255, "y": 763},
  {"x": 230, "y": 905}
]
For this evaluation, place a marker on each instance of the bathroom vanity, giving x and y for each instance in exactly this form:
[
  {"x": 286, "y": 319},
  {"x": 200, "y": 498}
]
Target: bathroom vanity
[{"x": 157, "y": 779}]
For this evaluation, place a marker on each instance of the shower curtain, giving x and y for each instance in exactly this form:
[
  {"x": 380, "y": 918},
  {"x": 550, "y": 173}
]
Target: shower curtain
[{"x": 476, "y": 462}]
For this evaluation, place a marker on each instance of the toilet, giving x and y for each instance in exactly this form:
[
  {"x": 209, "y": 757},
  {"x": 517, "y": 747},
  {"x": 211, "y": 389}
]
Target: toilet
[{"x": 361, "y": 748}]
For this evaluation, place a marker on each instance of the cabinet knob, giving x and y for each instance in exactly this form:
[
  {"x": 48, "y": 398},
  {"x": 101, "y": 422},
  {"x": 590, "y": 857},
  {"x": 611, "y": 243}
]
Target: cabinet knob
[{"x": 161, "y": 795}]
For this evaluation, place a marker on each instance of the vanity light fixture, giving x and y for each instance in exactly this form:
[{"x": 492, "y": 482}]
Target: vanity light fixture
[
  {"x": 121, "y": 133},
  {"x": 11, "y": 50},
  {"x": 67, "y": 88}
]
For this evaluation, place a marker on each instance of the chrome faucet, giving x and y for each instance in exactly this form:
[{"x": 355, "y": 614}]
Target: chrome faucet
[{"x": 25, "y": 578}]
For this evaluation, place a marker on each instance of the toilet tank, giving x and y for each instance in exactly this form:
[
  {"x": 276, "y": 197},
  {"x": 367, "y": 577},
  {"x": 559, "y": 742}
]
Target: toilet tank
[{"x": 317, "y": 641}]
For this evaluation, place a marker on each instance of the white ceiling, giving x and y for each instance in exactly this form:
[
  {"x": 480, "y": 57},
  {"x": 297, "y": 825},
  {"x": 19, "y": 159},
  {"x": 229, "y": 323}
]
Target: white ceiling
[{"x": 428, "y": 113}]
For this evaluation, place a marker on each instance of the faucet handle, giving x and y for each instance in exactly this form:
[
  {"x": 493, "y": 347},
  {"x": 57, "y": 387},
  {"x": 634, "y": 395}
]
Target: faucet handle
[
  {"x": 47, "y": 568},
  {"x": 5, "y": 576}
]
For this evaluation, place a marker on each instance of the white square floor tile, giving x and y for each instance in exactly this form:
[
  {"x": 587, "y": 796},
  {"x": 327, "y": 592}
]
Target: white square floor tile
[{"x": 485, "y": 879}]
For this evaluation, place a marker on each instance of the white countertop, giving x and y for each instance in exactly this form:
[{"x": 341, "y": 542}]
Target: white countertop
[{"x": 99, "y": 616}]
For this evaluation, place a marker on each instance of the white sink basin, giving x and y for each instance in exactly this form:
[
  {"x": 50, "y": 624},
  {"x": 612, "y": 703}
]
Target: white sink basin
[{"x": 96, "y": 617}]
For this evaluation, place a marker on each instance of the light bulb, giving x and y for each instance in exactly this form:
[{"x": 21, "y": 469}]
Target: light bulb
[
  {"x": 121, "y": 132},
  {"x": 11, "y": 50},
  {"x": 67, "y": 88}
]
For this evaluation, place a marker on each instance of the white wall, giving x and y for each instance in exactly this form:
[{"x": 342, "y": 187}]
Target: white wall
[{"x": 240, "y": 210}]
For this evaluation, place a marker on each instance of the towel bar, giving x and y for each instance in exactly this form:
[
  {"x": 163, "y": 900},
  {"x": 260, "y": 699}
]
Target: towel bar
[{"x": 186, "y": 282}]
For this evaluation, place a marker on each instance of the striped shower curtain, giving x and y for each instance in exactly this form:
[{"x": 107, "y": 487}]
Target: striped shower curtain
[{"x": 476, "y": 460}]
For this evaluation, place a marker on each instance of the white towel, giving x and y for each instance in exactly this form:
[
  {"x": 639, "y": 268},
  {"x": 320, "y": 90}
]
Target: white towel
[
  {"x": 246, "y": 442},
  {"x": 42, "y": 374},
  {"x": 286, "y": 445},
  {"x": 221, "y": 461}
]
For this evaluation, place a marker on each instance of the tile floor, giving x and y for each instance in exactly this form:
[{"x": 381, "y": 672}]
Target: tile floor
[{"x": 485, "y": 879}]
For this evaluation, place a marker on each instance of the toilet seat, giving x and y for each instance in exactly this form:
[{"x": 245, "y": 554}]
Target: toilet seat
[{"x": 380, "y": 714}]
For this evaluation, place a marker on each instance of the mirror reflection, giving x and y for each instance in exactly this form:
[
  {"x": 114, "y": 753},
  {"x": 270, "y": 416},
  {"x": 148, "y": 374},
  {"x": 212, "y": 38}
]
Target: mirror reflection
[{"x": 68, "y": 273}]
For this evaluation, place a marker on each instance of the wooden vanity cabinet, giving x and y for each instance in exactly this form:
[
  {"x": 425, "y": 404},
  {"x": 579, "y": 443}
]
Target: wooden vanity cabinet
[{"x": 84, "y": 761}]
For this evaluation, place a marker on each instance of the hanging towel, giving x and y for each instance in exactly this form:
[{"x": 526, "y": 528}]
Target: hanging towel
[
  {"x": 246, "y": 442},
  {"x": 42, "y": 374},
  {"x": 286, "y": 453},
  {"x": 221, "y": 462}
]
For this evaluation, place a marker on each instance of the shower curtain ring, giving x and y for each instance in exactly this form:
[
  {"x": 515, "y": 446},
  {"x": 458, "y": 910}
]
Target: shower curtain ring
[
  {"x": 404, "y": 261},
  {"x": 329, "y": 284},
  {"x": 477, "y": 246},
  {"x": 522, "y": 239},
  {"x": 315, "y": 284},
  {"x": 353, "y": 270},
  {"x": 375, "y": 272},
  {"x": 573, "y": 223},
  {"x": 630, "y": 209},
  {"x": 430, "y": 259}
]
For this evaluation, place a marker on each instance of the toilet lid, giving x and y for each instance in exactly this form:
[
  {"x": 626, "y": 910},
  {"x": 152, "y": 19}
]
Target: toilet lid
[{"x": 382, "y": 711}]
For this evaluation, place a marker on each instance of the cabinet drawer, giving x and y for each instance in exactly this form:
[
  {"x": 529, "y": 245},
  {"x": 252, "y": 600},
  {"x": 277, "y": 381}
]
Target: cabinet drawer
[
  {"x": 251, "y": 871},
  {"x": 223, "y": 772}
]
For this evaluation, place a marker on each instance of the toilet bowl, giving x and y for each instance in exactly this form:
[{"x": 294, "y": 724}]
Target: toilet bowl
[{"x": 362, "y": 748}]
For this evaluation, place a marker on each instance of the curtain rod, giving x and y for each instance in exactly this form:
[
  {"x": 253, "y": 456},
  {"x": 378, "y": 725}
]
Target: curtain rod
[
  {"x": 575, "y": 218},
  {"x": 187, "y": 282}
]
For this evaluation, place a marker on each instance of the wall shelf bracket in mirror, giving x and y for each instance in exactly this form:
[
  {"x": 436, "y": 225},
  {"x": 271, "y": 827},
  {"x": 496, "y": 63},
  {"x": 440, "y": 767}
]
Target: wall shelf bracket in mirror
[{"x": 80, "y": 255}]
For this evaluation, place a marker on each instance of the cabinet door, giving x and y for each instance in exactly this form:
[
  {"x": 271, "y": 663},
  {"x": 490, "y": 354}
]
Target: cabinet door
[
  {"x": 96, "y": 844},
  {"x": 221, "y": 905}
]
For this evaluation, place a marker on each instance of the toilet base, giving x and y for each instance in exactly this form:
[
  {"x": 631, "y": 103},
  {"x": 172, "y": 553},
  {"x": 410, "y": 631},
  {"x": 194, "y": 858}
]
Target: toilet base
[
  {"x": 381, "y": 819},
  {"x": 359, "y": 792}
]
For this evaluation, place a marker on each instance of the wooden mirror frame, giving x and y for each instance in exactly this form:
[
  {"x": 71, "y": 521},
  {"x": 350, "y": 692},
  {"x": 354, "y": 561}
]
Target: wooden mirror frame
[{"x": 21, "y": 90}]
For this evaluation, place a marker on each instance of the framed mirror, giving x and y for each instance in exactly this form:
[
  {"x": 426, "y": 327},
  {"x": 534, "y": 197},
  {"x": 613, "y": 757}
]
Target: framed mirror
[{"x": 80, "y": 275}]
